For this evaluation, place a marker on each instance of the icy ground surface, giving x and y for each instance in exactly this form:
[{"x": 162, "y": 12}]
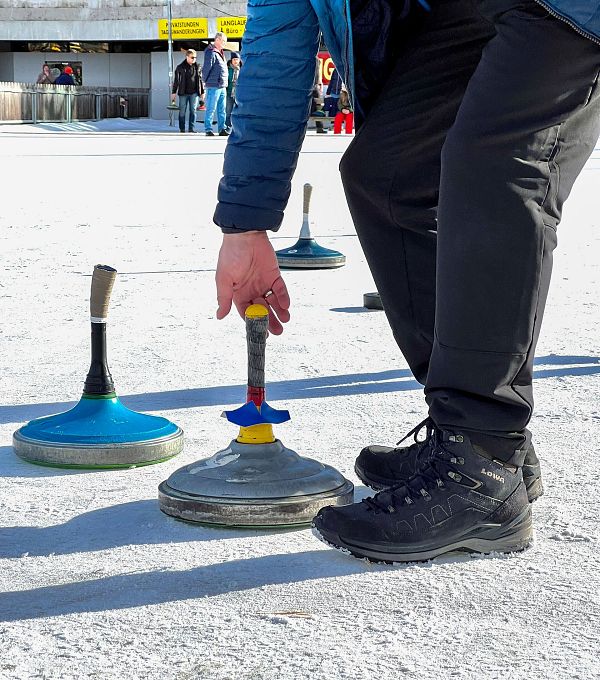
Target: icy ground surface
[{"x": 96, "y": 583}]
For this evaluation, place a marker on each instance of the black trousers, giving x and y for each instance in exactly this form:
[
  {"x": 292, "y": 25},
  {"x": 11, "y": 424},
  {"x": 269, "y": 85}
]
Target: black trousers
[{"x": 456, "y": 183}]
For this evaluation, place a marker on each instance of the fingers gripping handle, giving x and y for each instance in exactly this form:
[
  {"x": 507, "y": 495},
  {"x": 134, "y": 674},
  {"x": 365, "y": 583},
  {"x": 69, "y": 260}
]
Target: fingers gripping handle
[
  {"x": 257, "y": 319},
  {"x": 103, "y": 279}
]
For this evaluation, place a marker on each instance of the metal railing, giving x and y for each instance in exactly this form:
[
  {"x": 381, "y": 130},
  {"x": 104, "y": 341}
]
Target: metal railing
[{"x": 32, "y": 103}]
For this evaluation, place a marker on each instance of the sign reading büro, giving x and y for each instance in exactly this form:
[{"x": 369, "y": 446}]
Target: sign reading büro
[
  {"x": 233, "y": 27},
  {"x": 183, "y": 28}
]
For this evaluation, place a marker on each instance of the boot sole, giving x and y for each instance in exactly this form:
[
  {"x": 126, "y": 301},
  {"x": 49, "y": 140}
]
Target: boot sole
[
  {"x": 514, "y": 536},
  {"x": 533, "y": 484}
]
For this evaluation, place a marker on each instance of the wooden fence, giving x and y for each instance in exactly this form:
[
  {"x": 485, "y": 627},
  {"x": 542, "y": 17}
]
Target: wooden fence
[{"x": 30, "y": 103}]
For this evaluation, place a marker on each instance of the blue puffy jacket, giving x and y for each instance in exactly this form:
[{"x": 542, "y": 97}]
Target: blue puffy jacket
[
  {"x": 280, "y": 46},
  {"x": 65, "y": 79},
  {"x": 214, "y": 68}
]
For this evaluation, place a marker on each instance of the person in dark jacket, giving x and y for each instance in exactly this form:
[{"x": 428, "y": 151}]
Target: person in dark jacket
[
  {"x": 233, "y": 70},
  {"x": 332, "y": 94},
  {"x": 214, "y": 73},
  {"x": 66, "y": 77},
  {"x": 187, "y": 84},
  {"x": 475, "y": 118}
]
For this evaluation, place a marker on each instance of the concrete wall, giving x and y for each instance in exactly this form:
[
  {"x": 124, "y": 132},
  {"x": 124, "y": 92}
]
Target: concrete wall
[
  {"x": 100, "y": 20},
  {"x": 6, "y": 67},
  {"x": 105, "y": 70},
  {"x": 159, "y": 79}
]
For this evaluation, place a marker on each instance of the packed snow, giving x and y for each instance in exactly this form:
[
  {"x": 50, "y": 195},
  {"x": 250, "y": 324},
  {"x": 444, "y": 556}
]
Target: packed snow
[{"x": 97, "y": 583}]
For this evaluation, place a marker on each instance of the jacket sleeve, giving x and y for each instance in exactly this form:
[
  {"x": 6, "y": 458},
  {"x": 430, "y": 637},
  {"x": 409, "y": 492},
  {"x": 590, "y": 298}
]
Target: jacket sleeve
[
  {"x": 175, "y": 86},
  {"x": 207, "y": 64},
  {"x": 273, "y": 96}
]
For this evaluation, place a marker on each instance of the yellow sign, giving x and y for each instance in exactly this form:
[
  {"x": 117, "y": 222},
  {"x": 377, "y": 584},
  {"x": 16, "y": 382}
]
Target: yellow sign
[
  {"x": 233, "y": 27},
  {"x": 183, "y": 29}
]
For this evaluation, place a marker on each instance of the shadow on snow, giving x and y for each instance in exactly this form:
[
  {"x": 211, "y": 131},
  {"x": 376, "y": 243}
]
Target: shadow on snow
[{"x": 305, "y": 388}]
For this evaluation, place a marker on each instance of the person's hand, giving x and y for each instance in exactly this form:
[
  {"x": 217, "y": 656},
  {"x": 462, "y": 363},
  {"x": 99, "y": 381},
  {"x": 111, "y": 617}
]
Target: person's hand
[
  {"x": 345, "y": 111},
  {"x": 173, "y": 98},
  {"x": 248, "y": 273}
]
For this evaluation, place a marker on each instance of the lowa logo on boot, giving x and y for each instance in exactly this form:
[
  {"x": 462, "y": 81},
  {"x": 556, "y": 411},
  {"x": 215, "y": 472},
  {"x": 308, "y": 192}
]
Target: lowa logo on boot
[{"x": 493, "y": 475}]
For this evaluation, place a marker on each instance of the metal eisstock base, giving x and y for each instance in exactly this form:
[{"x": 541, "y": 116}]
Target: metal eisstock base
[{"x": 250, "y": 485}]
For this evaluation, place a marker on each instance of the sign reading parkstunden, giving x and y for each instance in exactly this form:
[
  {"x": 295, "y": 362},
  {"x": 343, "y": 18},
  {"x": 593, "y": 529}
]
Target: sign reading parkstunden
[
  {"x": 233, "y": 27},
  {"x": 183, "y": 28}
]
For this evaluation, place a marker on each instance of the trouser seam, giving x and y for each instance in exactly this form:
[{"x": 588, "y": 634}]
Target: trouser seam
[
  {"x": 405, "y": 258},
  {"x": 551, "y": 162}
]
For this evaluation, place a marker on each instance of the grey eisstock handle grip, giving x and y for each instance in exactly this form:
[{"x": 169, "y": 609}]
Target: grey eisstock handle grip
[
  {"x": 307, "y": 194},
  {"x": 305, "y": 230},
  {"x": 257, "y": 321},
  {"x": 103, "y": 279}
]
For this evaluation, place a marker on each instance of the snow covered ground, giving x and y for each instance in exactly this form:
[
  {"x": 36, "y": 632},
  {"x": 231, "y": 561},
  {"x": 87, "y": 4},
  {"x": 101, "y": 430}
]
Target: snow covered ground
[{"x": 96, "y": 583}]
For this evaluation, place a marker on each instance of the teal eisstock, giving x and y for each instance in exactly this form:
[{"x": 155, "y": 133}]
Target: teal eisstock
[
  {"x": 306, "y": 253},
  {"x": 99, "y": 432}
]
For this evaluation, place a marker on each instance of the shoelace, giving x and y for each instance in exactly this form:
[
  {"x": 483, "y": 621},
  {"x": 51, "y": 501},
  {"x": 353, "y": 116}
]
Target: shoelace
[
  {"x": 441, "y": 464},
  {"x": 426, "y": 424}
]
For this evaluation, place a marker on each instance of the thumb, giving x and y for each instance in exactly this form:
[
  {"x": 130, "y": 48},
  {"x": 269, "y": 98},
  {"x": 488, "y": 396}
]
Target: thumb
[
  {"x": 224, "y": 305},
  {"x": 224, "y": 295}
]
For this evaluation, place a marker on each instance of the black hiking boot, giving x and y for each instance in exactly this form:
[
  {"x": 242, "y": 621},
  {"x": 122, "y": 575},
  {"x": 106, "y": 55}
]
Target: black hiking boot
[
  {"x": 383, "y": 466},
  {"x": 460, "y": 500}
]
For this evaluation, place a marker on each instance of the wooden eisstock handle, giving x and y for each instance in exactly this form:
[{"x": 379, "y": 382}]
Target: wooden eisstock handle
[
  {"x": 305, "y": 230},
  {"x": 103, "y": 279},
  {"x": 257, "y": 321}
]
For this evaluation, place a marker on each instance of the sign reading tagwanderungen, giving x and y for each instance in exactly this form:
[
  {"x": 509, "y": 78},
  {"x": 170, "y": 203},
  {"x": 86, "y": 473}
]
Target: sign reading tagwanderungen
[
  {"x": 233, "y": 27},
  {"x": 183, "y": 29}
]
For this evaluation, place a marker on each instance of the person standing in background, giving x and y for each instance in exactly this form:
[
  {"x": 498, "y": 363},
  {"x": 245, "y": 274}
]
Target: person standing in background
[
  {"x": 316, "y": 104},
  {"x": 188, "y": 85},
  {"x": 45, "y": 77},
  {"x": 233, "y": 68},
  {"x": 345, "y": 114},
  {"x": 66, "y": 77},
  {"x": 214, "y": 74},
  {"x": 332, "y": 94}
]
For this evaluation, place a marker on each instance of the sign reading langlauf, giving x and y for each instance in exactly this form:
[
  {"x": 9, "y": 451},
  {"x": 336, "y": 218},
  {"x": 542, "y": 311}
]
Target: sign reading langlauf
[
  {"x": 233, "y": 27},
  {"x": 183, "y": 28}
]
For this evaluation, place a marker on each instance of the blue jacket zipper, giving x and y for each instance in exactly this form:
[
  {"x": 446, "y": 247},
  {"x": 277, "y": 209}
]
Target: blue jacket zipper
[{"x": 569, "y": 22}]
